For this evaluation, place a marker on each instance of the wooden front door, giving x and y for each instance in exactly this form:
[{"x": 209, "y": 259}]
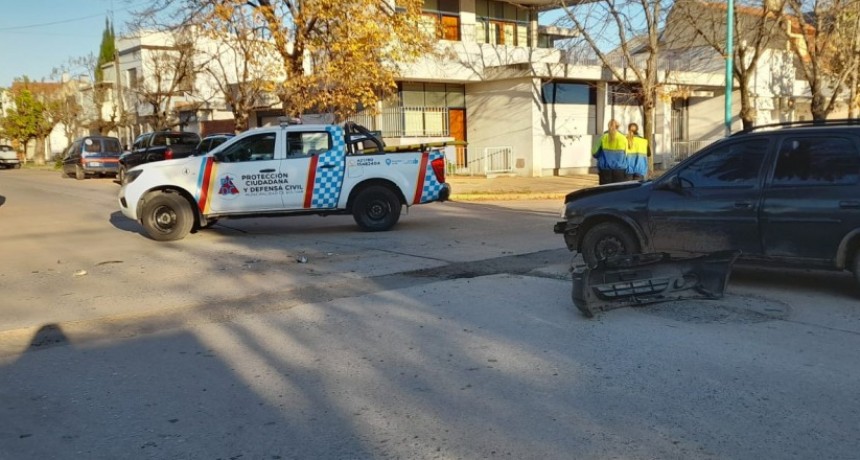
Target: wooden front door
[{"x": 457, "y": 130}]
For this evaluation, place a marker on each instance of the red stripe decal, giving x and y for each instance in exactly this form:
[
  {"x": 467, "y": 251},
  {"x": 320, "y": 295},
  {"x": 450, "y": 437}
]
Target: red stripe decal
[
  {"x": 420, "y": 184},
  {"x": 204, "y": 189},
  {"x": 312, "y": 174}
]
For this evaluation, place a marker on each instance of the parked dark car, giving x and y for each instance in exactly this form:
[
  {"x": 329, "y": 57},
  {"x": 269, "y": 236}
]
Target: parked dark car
[
  {"x": 90, "y": 156},
  {"x": 157, "y": 146},
  {"x": 211, "y": 141},
  {"x": 785, "y": 195}
]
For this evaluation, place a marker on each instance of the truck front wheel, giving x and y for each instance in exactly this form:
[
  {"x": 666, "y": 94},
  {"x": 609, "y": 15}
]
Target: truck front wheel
[
  {"x": 167, "y": 217},
  {"x": 376, "y": 209}
]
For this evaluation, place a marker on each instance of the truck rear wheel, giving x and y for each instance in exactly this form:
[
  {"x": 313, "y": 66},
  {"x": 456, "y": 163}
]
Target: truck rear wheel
[
  {"x": 79, "y": 172},
  {"x": 167, "y": 217},
  {"x": 376, "y": 209}
]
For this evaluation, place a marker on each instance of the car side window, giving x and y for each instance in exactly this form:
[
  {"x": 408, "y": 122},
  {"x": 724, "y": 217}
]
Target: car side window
[
  {"x": 302, "y": 144},
  {"x": 812, "y": 161},
  {"x": 257, "y": 147},
  {"x": 731, "y": 165}
]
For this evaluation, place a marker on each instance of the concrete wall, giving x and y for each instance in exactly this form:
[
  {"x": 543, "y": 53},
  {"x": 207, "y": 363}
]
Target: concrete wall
[{"x": 502, "y": 114}]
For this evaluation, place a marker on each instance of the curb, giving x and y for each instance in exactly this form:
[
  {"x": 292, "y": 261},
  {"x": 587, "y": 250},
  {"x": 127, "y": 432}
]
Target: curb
[{"x": 489, "y": 196}]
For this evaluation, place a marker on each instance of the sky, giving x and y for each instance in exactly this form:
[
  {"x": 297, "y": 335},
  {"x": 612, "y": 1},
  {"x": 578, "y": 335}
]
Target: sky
[{"x": 37, "y": 36}]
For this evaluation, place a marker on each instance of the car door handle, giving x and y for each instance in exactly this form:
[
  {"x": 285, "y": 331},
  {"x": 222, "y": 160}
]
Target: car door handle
[
  {"x": 849, "y": 204},
  {"x": 743, "y": 205},
  {"x": 267, "y": 170},
  {"x": 327, "y": 166}
]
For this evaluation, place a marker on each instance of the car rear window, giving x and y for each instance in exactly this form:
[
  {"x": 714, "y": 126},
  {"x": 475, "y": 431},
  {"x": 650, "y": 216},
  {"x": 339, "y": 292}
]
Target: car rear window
[{"x": 102, "y": 146}]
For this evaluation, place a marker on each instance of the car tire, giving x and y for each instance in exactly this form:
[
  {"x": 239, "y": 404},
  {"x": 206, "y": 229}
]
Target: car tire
[
  {"x": 376, "y": 209},
  {"x": 120, "y": 175},
  {"x": 79, "y": 173},
  {"x": 607, "y": 239},
  {"x": 855, "y": 266},
  {"x": 17, "y": 166},
  {"x": 167, "y": 217}
]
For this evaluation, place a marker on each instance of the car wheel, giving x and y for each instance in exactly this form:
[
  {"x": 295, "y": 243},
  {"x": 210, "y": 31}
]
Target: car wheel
[
  {"x": 167, "y": 217},
  {"x": 607, "y": 239},
  {"x": 79, "y": 172},
  {"x": 855, "y": 265},
  {"x": 17, "y": 166},
  {"x": 376, "y": 209},
  {"x": 120, "y": 175}
]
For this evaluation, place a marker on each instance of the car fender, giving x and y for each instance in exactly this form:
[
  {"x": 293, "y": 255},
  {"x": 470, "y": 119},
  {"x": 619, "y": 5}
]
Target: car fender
[
  {"x": 849, "y": 244},
  {"x": 609, "y": 215},
  {"x": 177, "y": 175}
]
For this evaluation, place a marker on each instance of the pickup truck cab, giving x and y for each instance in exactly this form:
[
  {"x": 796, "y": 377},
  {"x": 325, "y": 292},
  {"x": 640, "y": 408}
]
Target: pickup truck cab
[
  {"x": 785, "y": 195},
  {"x": 157, "y": 146},
  {"x": 284, "y": 170}
]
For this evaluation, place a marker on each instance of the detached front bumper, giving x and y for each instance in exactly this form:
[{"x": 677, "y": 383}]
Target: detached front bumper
[
  {"x": 642, "y": 279},
  {"x": 570, "y": 232}
]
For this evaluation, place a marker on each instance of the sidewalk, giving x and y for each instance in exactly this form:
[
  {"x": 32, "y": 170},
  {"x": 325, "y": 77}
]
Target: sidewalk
[{"x": 479, "y": 188}]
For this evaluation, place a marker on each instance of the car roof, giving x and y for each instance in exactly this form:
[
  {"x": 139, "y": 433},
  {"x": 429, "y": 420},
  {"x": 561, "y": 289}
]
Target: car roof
[{"x": 804, "y": 126}]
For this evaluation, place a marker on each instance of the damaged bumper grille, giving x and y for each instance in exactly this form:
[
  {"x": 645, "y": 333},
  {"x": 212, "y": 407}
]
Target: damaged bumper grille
[{"x": 641, "y": 279}]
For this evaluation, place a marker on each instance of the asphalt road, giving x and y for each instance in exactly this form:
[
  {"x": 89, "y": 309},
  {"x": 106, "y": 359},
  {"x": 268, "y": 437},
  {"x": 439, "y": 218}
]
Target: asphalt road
[{"x": 452, "y": 336}]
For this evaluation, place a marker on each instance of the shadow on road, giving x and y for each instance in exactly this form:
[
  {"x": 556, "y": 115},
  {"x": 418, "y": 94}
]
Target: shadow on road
[
  {"x": 162, "y": 396},
  {"x": 124, "y": 223},
  {"x": 2, "y": 200}
]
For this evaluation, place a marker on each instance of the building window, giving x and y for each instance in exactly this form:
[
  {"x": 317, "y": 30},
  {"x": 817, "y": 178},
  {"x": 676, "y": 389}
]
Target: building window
[
  {"x": 501, "y": 23},
  {"x": 417, "y": 94},
  {"x": 131, "y": 75},
  {"x": 574, "y": 104},
  {"x": 442, "y": 19}
]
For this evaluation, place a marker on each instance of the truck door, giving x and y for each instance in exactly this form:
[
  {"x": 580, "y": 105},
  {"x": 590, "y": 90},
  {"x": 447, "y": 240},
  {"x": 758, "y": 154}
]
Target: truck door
[
  {"x": 315, "y": 160},
  {"x": 712, "y": 202},
  {"x": 247, "y": 176}
]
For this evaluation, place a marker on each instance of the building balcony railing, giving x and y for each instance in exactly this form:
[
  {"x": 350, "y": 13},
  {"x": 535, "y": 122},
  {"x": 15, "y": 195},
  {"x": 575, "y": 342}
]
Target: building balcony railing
[{"x": 407, "y": 121}]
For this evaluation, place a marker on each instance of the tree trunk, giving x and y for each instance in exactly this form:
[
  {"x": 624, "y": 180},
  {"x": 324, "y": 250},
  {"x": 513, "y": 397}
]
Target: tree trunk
[
  {"x": 819, "y": 107},
  {"x": 649, "y": 103},
  {"x": 39, "y": 153},
  {"x": 748, "y": 112},
  {"x": 240, "y": 121}
]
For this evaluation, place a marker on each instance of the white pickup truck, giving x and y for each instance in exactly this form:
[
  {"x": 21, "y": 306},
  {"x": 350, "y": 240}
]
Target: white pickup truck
[
  {"x": 9, "y": 157},
  {"x": 284, "y": 170}
]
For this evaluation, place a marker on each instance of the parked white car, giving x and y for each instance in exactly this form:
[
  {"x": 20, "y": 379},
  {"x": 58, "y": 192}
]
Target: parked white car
[{"x": 9, "y": 157}]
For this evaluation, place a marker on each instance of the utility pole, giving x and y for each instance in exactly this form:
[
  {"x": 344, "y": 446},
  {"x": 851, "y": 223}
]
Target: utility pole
[{"x": 730, "y": 52}]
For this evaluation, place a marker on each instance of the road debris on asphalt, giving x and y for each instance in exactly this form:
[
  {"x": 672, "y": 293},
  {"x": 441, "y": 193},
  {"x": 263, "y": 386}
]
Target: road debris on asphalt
[{"x": 642, "y": 279}]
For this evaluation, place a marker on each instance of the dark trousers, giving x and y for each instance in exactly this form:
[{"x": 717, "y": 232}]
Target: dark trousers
[{"x": 611, "y": 176}]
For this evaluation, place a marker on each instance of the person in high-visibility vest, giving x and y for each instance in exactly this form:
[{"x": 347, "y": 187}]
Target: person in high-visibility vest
[
  {"x": 637, "y": 154},
  {"x": 611, "y": 155}
]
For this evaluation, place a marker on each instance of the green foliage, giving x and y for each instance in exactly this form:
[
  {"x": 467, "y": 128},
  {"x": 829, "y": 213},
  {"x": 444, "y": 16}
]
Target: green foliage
[
  {"x": 107, "y": 49},
  {"x": 25, "y": 120}
]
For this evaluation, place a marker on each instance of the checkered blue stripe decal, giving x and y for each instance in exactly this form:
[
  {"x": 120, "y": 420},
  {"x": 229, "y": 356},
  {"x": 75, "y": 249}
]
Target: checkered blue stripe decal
[
  {"x": 330, "y": 171},
  {"x": 432, "y": 186}
]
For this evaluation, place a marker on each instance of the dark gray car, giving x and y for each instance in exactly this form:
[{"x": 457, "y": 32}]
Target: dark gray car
[{"x": 788, "y": 195}]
